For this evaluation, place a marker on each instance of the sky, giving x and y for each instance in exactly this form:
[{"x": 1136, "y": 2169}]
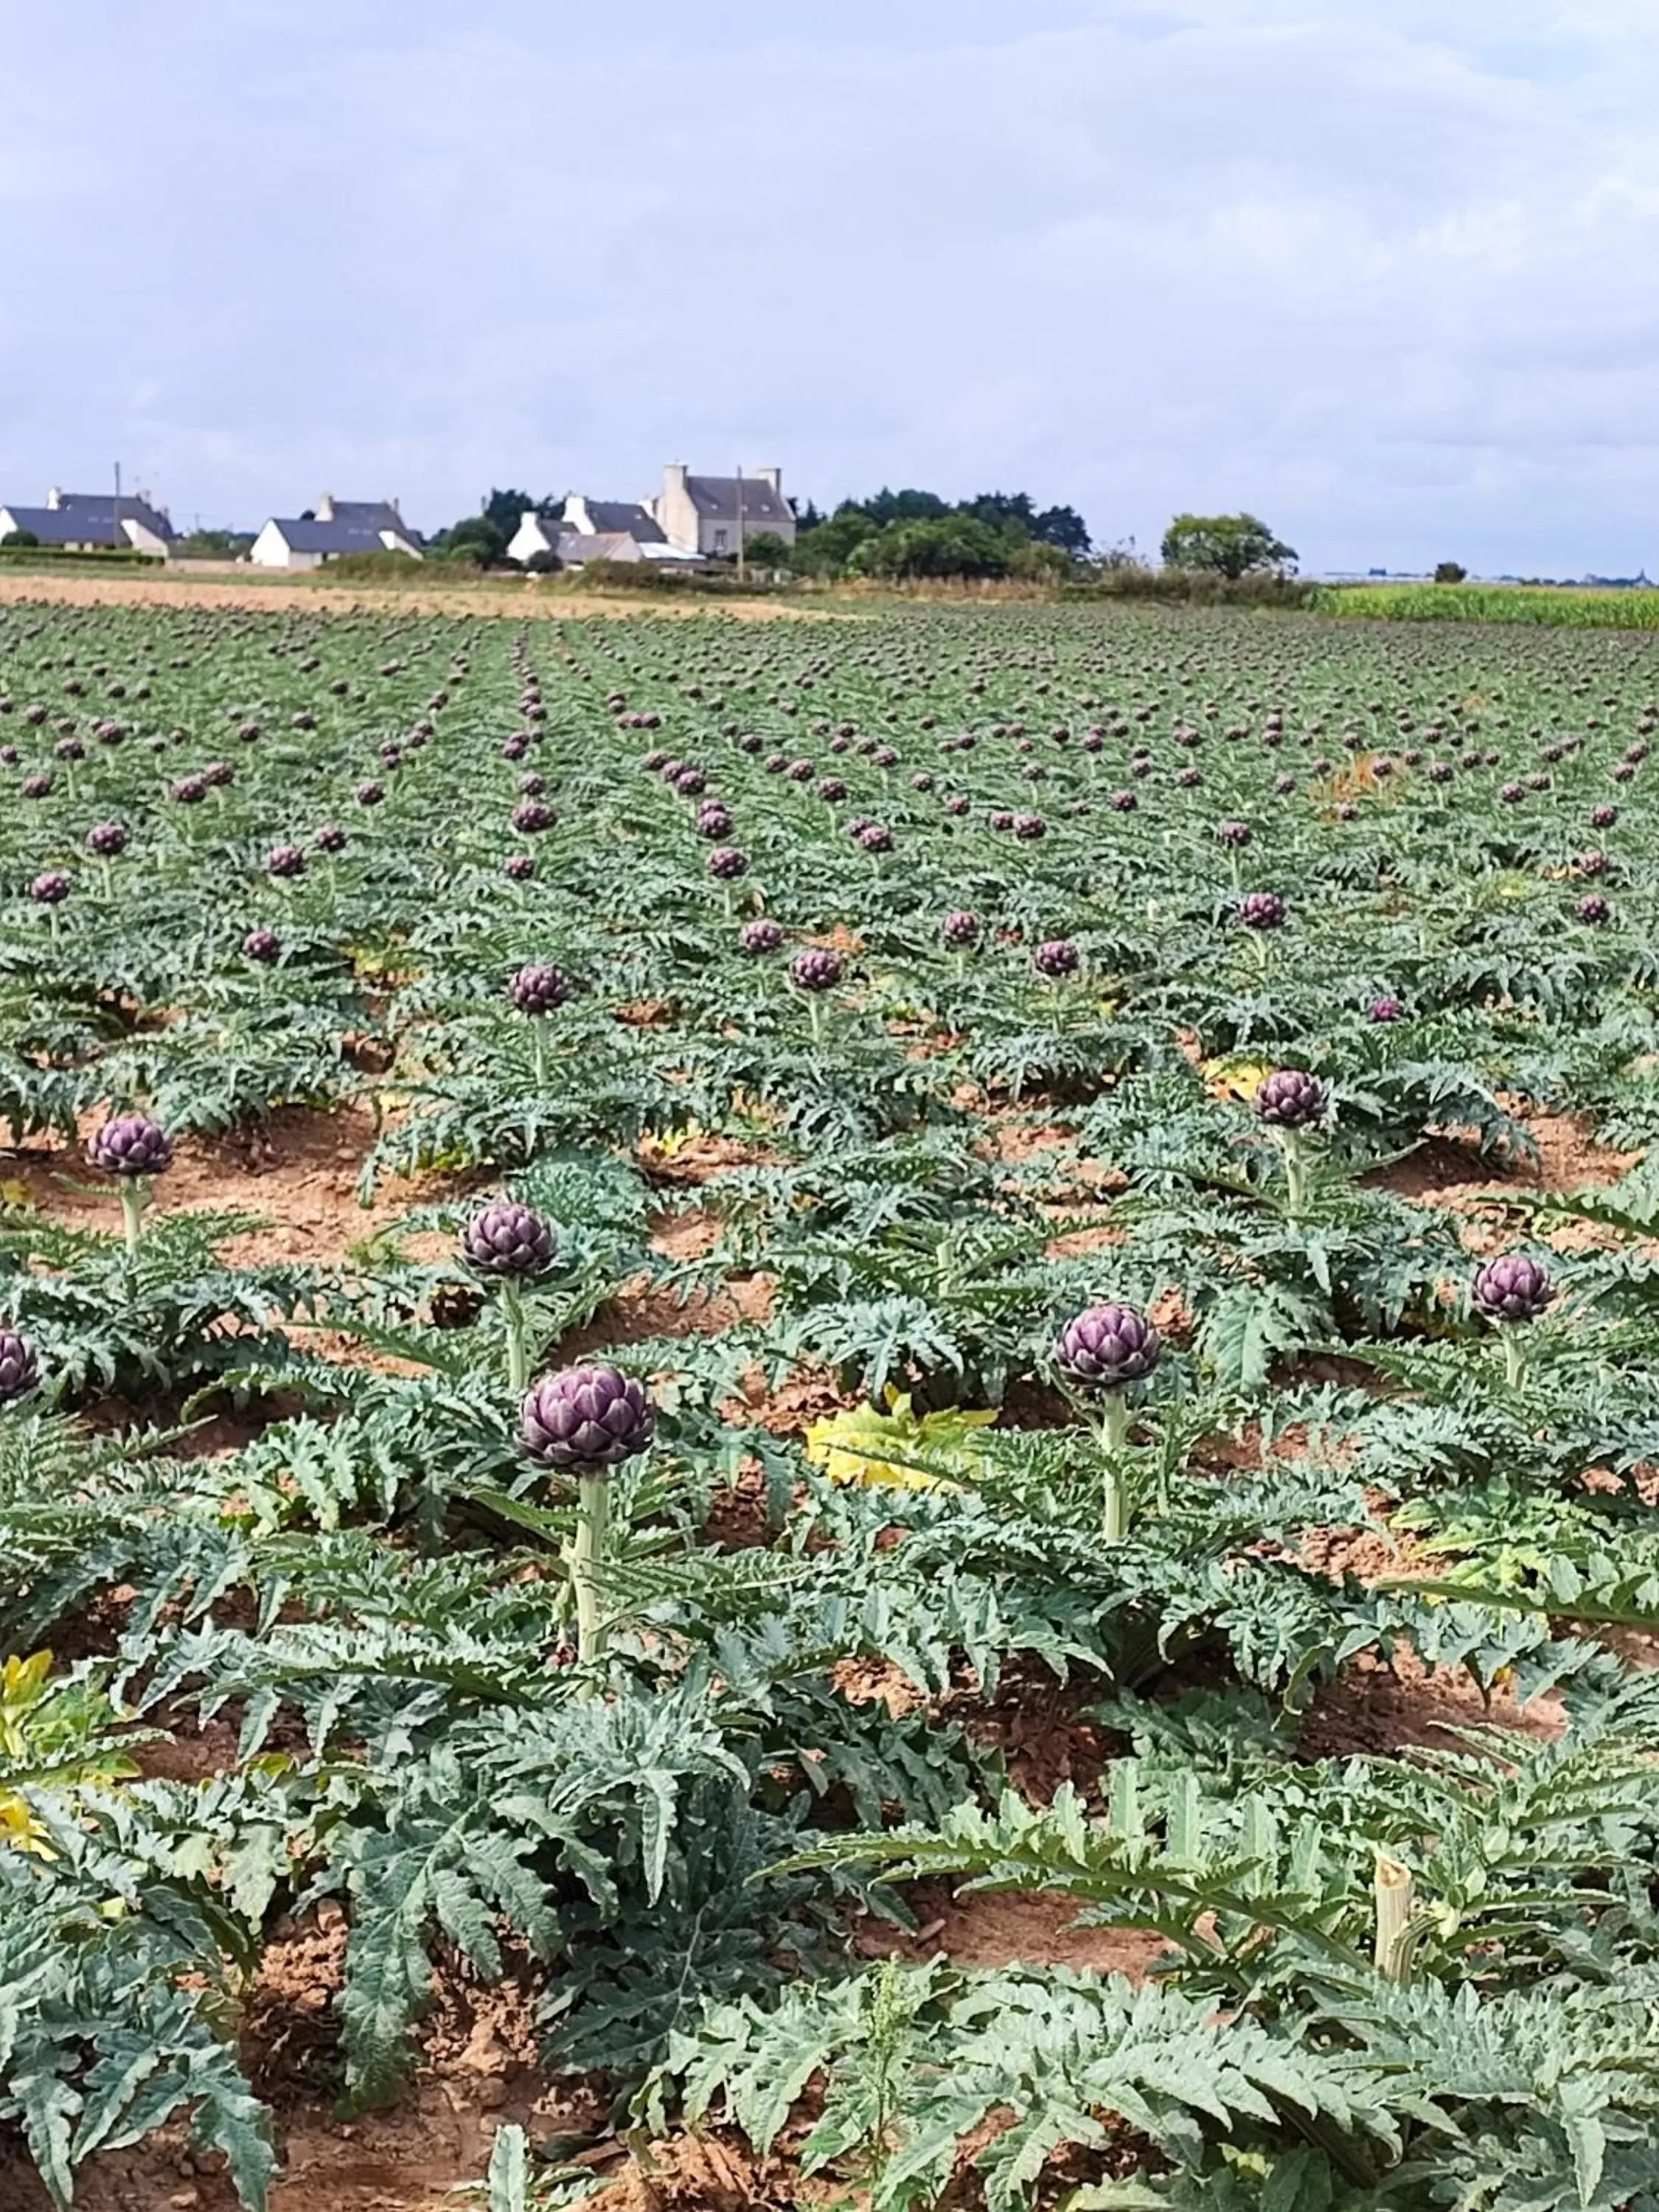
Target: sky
[{"x": 1384, "y": 272}]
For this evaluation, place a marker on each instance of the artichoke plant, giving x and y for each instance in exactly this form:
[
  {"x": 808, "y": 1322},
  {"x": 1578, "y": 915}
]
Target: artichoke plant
[
  {"x": 1291, "y": 1103},
  {"x": 133, "y": 1148},
  {"x": 816, "y": 969},
  {"x": 536, "y": 991},
  {"x": 1511, "y": 1290},
  {"x": 585, "y": 1421},
  {"x": 511, "y": 1244},
  {"x": 1103, "y": 1352}
]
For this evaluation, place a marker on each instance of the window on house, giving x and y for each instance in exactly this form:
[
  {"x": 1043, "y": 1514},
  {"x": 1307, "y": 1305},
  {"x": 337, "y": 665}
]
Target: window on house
[{"x": 719, "y": 541}]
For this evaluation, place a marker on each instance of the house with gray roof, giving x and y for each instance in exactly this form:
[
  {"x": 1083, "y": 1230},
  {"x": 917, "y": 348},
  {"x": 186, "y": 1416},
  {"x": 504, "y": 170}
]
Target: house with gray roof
[
  {"x": 595, "y": 530},
  {"x": 611, "y": 518},
  {"x": 332, "y": 528},
  {"x": 714, "y": 514},
  {"x": 83, "y": 521}
]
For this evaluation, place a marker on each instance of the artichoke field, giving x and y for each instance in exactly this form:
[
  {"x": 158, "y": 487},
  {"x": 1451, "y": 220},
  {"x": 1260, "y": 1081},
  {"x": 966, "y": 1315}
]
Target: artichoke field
[{"x": 975, "y": 1178}]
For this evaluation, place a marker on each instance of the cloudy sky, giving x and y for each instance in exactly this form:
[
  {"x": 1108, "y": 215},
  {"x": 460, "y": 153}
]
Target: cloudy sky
[{"x": 1386, "y": 272}]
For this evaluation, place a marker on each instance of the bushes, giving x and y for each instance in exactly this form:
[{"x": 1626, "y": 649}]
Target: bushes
[
  {"x": 1198, "y": 587},
  {"x": 24, "y": 547}
]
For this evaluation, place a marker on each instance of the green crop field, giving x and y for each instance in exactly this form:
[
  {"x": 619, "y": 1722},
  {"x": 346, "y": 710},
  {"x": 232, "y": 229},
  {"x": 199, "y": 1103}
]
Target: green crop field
[
  {"x": 1549, "y": 606},
  {"x": 847, "y": 1412}
]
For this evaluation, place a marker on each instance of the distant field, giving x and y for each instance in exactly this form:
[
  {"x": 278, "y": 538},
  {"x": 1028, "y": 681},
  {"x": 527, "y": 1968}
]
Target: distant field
[{"x": 1545, "y": 606}]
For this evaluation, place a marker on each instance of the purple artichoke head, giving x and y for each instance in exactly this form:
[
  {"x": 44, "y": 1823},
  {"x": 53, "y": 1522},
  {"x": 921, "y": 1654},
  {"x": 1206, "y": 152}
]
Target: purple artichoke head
[
  {"x": 262, "y": 946},
  {"x": 587, "y": 1419},
  {"x": 1593, "y": 908},
  {"x": 20, "y": 1366},
  {"x": 1261, "y": 910},
  {"x": 726, "y": 864},
  {"x": 1235, "y": 835},
  {"x": 1291, "y": 1098},
  {"x": 285, "y": 861},
  {"x": 1055, "y": 956},
  {"x": 107, "y": 839},
  {"x": 131, "y": 1145},
  {"x": 50, "y": 888},
  {"x": 816, "y": 968},
  {"x": 1512, "y": 1288},
  {"x": 1386, "y": 1010},
  {"x": 539, "y": 989},
  {"x": 960, "y": 928},
  {"x": 761, "y": 935},
  {"x": 1108, "y": 1348},
  {"x": 507, "y": 1239}
]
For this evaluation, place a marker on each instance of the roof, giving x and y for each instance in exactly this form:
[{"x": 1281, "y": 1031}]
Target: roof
[
  {"x": 302, "y": 536},
  {"x": 625, "y": 518},
  {"x": 98, "y": 509},
  {"x": 374, "y": 513},
  {"x": 718, "y": 496},
  {"x": 81, "y": 521},
  {"x": 575, "y": 547}
]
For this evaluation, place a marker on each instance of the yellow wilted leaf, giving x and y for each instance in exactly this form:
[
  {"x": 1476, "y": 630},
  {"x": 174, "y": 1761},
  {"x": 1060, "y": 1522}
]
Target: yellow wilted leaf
[
  {"x": 1234, "y": 1077},
  {"x": 14, "y": 1193},
  {"x": 864, "y": 1445},
  {"x": 19, "y": 1829}
]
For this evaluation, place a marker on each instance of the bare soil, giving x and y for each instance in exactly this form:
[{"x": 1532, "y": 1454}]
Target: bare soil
[{"x": 518, "y": 599}]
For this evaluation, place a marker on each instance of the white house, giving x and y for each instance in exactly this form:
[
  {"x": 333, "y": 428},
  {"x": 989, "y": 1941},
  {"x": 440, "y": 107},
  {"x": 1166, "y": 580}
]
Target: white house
[
  {"x": 335, "y": 527},
  {"x": 710, "y": 514},
  {"x": 594, "y": 530},
  {"x": 84, "y": 521}
]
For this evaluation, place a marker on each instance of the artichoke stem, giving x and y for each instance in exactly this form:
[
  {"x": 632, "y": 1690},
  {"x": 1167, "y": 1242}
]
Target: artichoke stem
[
  {"x": 133, "y": 1195},
  {"x": 1515, "y": 1358},
  {"x": 1295, "y": 1172},
  {"x": 815, "y": 1015},
  {"x": 518, "y": 1348},
  {"x": 1394, "y": 1893},
  {"x": 587, "y": 1561},
  {"x": 1115, "y": 1496},
  {"x": 539, "y": 1042}
]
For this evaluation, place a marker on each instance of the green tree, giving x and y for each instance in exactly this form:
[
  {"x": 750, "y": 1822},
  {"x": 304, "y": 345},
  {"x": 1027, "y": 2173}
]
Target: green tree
[
  {"x": 949, "y": 545},
  {"x": 1016, "y": 513},
  {"x": 506, "y": 509},
  {"x": 766, "y": 550},
  {"x": 1230, "y": 545},
  {"x": 477, "y": 539},
  {"x": 826, "y": 551},
  {"x": 910, "y": 506},
  {"x": 1450, "y": 572},
  {"x": 19, "y": 540}
]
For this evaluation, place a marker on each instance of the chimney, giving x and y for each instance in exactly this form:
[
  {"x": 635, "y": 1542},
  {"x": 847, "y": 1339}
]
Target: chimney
[
  {"x": 54, "y": 497},
  {"x": 673, "y": 478},
  {"x": 324, "y": 509},
  {"x": 773, "y": 476}
]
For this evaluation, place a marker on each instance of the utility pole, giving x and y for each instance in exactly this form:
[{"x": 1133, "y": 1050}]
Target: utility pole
[
  {"x": 115, "y": 519},
  {"x": 743, "y": 564}
]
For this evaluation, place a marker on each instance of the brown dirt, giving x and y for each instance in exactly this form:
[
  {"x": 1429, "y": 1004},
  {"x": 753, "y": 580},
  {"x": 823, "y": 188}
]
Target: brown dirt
[
  {"x": 299, "y": 1169},
  {"x": 1446, "y": 1172},
  {"x": 1021, "y": 1927},
  {"x": 516, "y": 599},
  {"x": 1371, "y": 1708}
]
